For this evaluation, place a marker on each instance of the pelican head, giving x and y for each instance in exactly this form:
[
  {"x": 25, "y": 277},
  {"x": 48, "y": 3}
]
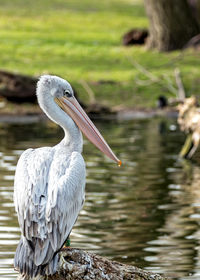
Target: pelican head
[{"x": 55, "y": 96}]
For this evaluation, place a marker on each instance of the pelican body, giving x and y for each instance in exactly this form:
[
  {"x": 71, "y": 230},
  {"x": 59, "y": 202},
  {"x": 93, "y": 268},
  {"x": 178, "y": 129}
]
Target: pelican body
[{"x": 50, "y": 181}]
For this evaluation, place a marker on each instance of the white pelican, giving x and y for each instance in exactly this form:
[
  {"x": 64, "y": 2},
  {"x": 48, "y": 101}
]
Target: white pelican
[{"x": 50, "y": 181}]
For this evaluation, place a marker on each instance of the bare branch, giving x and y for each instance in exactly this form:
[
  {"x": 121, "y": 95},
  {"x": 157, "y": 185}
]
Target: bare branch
[
  {"x": 181, "y": 90},
  {"x": 169, "y": 84},
  {"x": 143, "y": 70},
  {"x": 89, "y": 91},
  {"x": 166, "y": 82}
]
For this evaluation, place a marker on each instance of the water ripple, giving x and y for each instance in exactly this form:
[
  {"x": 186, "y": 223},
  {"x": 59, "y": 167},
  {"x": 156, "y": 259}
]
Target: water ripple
[{"x": 146, "y": 213}]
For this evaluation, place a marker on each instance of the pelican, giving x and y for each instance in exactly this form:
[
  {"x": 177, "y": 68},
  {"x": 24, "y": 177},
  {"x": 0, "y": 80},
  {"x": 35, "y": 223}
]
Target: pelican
[{"x": 50, "y": 181}]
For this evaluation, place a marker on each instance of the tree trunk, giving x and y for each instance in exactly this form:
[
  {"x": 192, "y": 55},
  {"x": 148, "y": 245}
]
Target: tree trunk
[
  {"x": 76, "y": 264},
  {"x": 195, "y": 7},
  {"x": 172, "y": 24}
]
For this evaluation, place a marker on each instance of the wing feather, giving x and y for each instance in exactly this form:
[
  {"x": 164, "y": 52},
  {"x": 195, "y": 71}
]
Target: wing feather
[
  {"x": 48, "y": 199},
  {"x": 70, "y": 199}
]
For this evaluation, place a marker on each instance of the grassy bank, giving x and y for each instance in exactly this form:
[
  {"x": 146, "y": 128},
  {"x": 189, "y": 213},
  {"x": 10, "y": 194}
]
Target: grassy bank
[{"x": 82, "y": 40}]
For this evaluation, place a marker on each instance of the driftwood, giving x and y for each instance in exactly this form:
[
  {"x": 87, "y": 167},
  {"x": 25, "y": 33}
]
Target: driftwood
[
  {"x": 188, "y": 118},
  {"x": 76, "y": 264},
  {"x": 189, "y": 122}
]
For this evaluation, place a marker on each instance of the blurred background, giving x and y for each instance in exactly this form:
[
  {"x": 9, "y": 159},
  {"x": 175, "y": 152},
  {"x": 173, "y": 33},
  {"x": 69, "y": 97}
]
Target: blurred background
[{"x": 127, "y": 61}]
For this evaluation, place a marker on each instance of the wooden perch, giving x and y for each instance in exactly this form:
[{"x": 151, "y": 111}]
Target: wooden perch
[{"x": 76, "y": 264}]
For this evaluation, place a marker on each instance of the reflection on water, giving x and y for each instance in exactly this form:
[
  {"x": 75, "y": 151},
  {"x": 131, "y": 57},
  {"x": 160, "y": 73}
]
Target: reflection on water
[{"x": 146, "y": 213}]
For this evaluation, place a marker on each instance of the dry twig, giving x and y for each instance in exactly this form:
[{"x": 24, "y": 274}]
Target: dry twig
[
  {"x": 163, "y": 81},
  {"x": 89, "y": 91},
  {"x": 181, "y": 90}
]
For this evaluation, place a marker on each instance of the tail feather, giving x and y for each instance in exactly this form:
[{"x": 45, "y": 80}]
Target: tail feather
[
  {"x": 24, "y": 261},
  {"x": 52, "y": 266}
]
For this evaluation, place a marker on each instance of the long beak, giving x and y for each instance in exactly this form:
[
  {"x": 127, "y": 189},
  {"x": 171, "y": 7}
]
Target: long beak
[{"x": 75, "y": 111}]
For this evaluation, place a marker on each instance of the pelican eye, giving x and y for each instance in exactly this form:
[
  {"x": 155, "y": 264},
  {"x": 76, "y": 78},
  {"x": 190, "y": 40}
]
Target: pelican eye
[{"x": 67, "y": 93}]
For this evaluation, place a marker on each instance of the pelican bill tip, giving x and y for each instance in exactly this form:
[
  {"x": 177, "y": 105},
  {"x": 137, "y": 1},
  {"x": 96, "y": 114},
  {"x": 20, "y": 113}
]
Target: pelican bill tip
[{"x": 119, "y": 163}]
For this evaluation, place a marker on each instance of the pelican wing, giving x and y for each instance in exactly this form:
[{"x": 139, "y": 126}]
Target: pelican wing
[
  {"x": 66, "y": 202},
  {"x": 48, "y": 199},
  {"x": 31, "y": 183}
]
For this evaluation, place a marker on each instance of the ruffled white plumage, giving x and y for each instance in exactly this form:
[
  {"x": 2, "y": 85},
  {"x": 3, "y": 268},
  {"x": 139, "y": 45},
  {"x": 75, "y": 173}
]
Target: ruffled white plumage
[{"x": 48, "y": 199}]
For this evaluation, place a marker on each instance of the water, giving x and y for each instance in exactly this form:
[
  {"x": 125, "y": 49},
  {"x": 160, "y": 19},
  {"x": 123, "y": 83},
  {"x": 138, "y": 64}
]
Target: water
[{"x": 146, "y": 213}]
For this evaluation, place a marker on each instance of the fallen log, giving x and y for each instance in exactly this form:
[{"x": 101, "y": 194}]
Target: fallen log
[
  {"x": 76, "y": 264},
  {"x": 17, "y": 88},
  {"x": 20, "y": 88}
]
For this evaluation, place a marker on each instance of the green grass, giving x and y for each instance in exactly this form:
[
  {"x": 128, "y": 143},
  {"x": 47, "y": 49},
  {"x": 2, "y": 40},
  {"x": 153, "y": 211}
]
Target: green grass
[{"x": 82, "y": 40}]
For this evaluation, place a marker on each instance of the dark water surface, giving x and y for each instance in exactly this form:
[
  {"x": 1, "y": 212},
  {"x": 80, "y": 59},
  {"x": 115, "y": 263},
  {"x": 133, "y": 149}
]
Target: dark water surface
[{"x": 146, "y": 213}]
